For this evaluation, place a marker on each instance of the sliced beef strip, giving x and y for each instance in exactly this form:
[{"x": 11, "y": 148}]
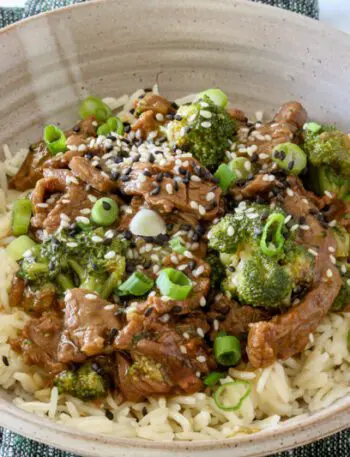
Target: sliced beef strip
[
  {"x": 171, "y": 350},
  {"x": 233, "y": 318},
  {"x": 39, "y": 340},
  {"x": 288, "y": 334},
  {"x": 39, "y": 157},
  {"x": 154, "y": 103},
  {"x": 164, "y": 193},
  {"x": 259, "y": 186},
  {"x": 88, "y": 323},
  {"x": 83, "y": 169},
  {"x": 32, "y": 301},
  {"x": 71, "y": 197},
  {"x": 146, "y": 124}
]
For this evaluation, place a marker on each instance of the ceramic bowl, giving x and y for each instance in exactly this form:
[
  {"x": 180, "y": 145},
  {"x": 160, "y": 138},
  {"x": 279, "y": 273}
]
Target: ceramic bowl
[{"x": 259, "y": 55}]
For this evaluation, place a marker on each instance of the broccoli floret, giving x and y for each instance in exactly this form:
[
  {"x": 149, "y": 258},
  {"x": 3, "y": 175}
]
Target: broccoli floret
[
  {"x": 217, "y": 270},
  {"x": 299, "y": 263},
  {"x": 328, "y": 151},
  {"x": 244, "y": 227},
  {"x": 84, "y": 383},
  {"x": 342, "y": 238},
  {"x": 146, "y": 367},
  {"x": 260, "y": 281},
  {"x": 77, "y": 259},
  {"x": 343, "y": 299},
  {"x": 206, "y": 138}
]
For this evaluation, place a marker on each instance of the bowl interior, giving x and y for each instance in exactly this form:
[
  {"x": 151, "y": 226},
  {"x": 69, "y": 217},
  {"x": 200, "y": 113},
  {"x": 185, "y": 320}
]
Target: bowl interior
[{"x": 260, "y": 56}]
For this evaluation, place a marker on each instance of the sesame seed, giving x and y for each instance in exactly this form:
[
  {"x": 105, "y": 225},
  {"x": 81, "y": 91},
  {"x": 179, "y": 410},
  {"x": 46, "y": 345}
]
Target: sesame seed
[
  {"x": 195, "y": 178},
  {"x": 109, "y": 234},
  {"x": 169, "y": 188},
  {"x": 252, "y": 215},
  {"x": 90, "y": 296},
  {"x": 42, "y": 205},
  {"x": 328, "y": 194},
  {"x": 110, "y": 255},
  {"x": 82, "y": 219},
  {"x": 247, "y": 165},
  {"x": 343, "y": 269},
  {"x": 64, "y": 217},
  {"x": 155, "y": 269},
  {"x": 230, "y": 231},
  {"x": 201, "y": 210},
  {"x": 201, "y": 359},
  {"x": 92, "y": 198},
  {"x": 200, "y": 332},
  {"x": 202, "y": 301},
  {"x": 85, "y": 211},
  {"x": 5, "y": 361},
  {"x": 263, "y": 156},
  {"x": 331, "y": 249},
  {"x": 305, "y": 227},
  {"x": 199, "y": 271},
  {"x": 188, "y": 254},
  {"x": 216, "y": 325},
  {"x": 294, "y": 227},
  {"x": 183, "y": 349},
  {"x": 182, "y": 267},
  {"x": 174, "y": 259},
  {"x": 206, "y": 114},
  {"x": 290, "y": 192},
  {"x": 329, "y": 273},
  {"x": 206, "y": 124},
  {"x": 165, "y": 318},
  {"x": 266, "y": 178},
  {"x": 287, "y": 219},
  {"x": 193, "y": 204},
  {"x": 332, "y": 259},
  {"x": 210, "y": 196},
  {"x": 109, "y": 307},
  {"x": 332, "y": 223},
  {"x": 313, "y": 252},
  {"x": 71, "y": 244},
  {"x": 159, "y": 117},
  {"x": 348, "y": 282}
]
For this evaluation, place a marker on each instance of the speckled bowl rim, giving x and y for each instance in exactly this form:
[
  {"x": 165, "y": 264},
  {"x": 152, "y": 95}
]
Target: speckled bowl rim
[{"x": 316, "y": 420}]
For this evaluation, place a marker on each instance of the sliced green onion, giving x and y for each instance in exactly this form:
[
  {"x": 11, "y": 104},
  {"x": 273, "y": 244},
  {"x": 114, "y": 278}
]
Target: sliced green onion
[
  {"x": 21, "y": 215},
  {"x": 232, "y": 385},
  {"x": 93, "y": 106},
  {"x": 177, "y": 245},
  {"x": 227, "y": 350},
  {"x": 216, "y": 95},
  {"x": 137, "y": 284},
  {"x": 272, "y": 239},
  {"x": 312, "y": 127},
  {"x": 174, "y": 284},
  {"x": 55, "y": 139},
  {"x": 241, "y": 168},
  {"x": 113, "y": 124},
  {"x": 225, "y": 176},
  {"x": 19, "y": 246},
  {"x": 213, "y": 378},
  {"x": 105, "y": 211},
  {"x": 289, "y": 157},
  {"x": 65, "y": 282}
]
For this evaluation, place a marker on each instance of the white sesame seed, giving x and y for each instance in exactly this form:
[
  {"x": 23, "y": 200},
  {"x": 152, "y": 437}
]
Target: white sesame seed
[
  {"x": 287, "y": 219},
  {"x": 155, "y": 269},
  {"x": 202, "y": 301},
  {"x": 42, "y": 205},
  {"x": 64, "y": 217},
  {"x": 92, "y": 198},
  {"x": 186, "y": 335},
  {"x": 331, "y": 249},
  {"x": 268, "y": 137},
  {"x": 304, "y": 200},
  {"x": 82, "y": 147},
  {"x": 313, "y": 252},
  {"x": 201, "y": 359},
  {"x": 109, "y": 307},
  {"x": 266, "y": 178},
  {"x": 252, "y": 215},
  {"x": 85, "y": 211},
  {"x": 294, "y": 227},
  {"x": 210, "y": 196},
  {"x": 109, "y": 234},
  {"x": 195, "y": 178},
  {"x": 200, "y": 332},
  {"x": 155, "y": 258},
  {"x": 82, "y": 219},
  {"x": 198, "y": 271},
  {"x": 305, "y": 227},
  {"x": 230, "y": 231},
  {"x": 247, "y": 165},
  {"x": 72, "y": 147},
  {"x": 290, "y": 192},
  {"x": 206, "y": 114},
  {"x": 263, "y": 156},
  {"x": 142, "y": 178},
  {"x": 182, "y": 267},
  {"x": 206, "y": 124},
  {"x": 328, "y": 194},
  {"x": 343, "y": 269},
  {"x": 216, "y": 325},
  {"x": 183, "y": 349},
  {"x": 90, "y": 296},
  {"x": 193, "y": 204},
  {"x": 110, "y": 255},
  {"x": 96, "y": 239},
  {"x": 165, "y": 318},
  {"x": 65, "y": 201},
  {"x": 68, "y": 295},
  {"x": 202, "y": 211},
  {"x": 159, "y": 117},
  {"x": 169, "y": 188},
  {"x": 348, "y": 282},
  {"x": 333, "y": 259},
  {"x": 174, "y": 259},
  {"x": 71, "y": 244},
  {"x": 329, "y": 273},
  {"x": 332, "y": 223},
  {"x": 188, "y": 254}
]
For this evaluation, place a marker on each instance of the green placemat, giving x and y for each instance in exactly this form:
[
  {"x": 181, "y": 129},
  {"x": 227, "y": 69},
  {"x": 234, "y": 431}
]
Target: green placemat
[{"x": 12, "y": 445}]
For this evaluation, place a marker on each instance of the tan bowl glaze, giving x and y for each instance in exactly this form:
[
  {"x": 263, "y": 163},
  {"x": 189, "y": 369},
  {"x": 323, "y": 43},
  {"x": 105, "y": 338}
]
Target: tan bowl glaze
[{"x": 259, "y": 55}]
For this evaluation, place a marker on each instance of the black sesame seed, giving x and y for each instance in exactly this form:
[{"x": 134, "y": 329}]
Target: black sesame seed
[
  {"x": 155, "y": 191},
  {"x": 144, "y": 411},
  {"x": 178, "y": 117},
  {"x": 147, "y": 173},
  {"x": 106, "y": 205},
  {"x": 127, "y": 127},
  {"x": 158, "y": 152},
  {"x": 175, "y": 105},
  {"x": 5, "y": 361},
  {"x": 215, "y": 179},
  {"x": 282, "y": 155},
  {"x": 176, "y": 185},
  {"x": 291, "y": 164},
  {"x": 88, "y": 155},
  {"x": 141, "y": 96},
  {"x": 124, "y": 178},
  {"x": 220, "y": 318},
  {"x": 76, "y": 129},
  {"x": 151, "y": 158},
  {"x": 132, "y": 111},
  {"x": 177, "y": 309},
  {"x": 169, "y": 227},
  {"x": 148, "y": 89},
  {"x": 95, "y": 367},
  {"x": 112, "y": 334},
  {"x": 231, "y": 269},
  {"x": 127, "y": 235},
  {"x": 192, "y": 264},
  {"x": 170, "y": 116},
  {"x": 111, "y": 137},
  {"x": 127, "y": 171},
  {"x": 109, "y": 415},
  {"x": 109, "y": 148},
  {"x": 185, "y": 227},
  {"x": 148, "y": 239},
  {"x": 148, "y": 312},
  {"x": 130, "y": 266},
  {"x": 159, "y": 177},
  {"x": 186, "y": 181},
  {"x": 115, "y": 175},
  {"x": 182, "y": 171},
  {"x": 117, "y": 159},
  {"x": 136, "y": 158},
  {"x": 254, "y": 158},
  {"x": 225, "y": 309},
  {"x": 302, "y": 220},
  {"x": 162, "y": 237}
]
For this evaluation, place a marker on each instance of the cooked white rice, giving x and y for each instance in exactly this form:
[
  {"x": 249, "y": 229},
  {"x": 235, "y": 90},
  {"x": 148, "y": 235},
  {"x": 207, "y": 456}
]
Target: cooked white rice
[{"x": 296, "y": 387}]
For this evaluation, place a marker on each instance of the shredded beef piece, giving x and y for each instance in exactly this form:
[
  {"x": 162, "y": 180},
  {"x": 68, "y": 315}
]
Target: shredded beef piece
[
  {"x": 32, "y": 301},
  {"x": 87, "y": 326}
]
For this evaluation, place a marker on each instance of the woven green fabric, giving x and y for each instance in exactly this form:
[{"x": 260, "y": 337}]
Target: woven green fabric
[{"x": 12, "y": 445}]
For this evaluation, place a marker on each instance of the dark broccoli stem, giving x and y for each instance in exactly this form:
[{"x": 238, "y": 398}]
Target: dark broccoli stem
[
  {"x": 110, "y": 284},
  {"x": 78, "y": 269}
]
